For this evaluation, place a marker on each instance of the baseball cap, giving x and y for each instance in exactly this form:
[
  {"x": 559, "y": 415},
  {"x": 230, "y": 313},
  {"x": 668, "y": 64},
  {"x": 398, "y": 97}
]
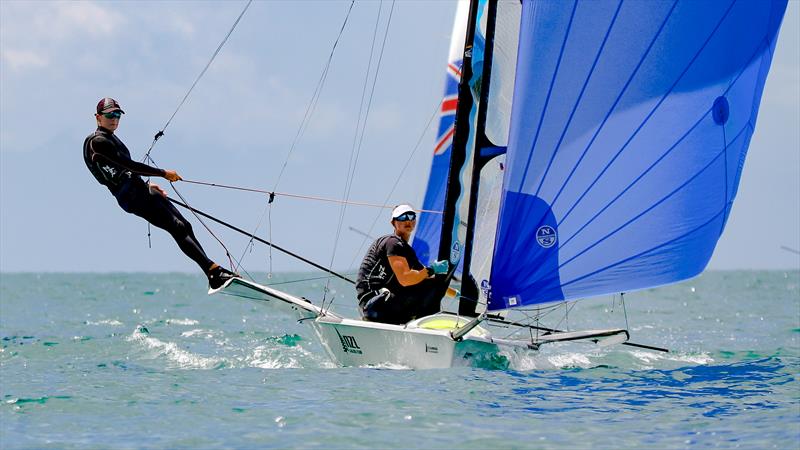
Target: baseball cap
[
  {"x": 108, "y": 104},
  {"x": 399, "y": 210}
]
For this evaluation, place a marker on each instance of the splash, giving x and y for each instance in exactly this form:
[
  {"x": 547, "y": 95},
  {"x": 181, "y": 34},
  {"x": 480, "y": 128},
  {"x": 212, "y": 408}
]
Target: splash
[{"x": 182, "y": 359}]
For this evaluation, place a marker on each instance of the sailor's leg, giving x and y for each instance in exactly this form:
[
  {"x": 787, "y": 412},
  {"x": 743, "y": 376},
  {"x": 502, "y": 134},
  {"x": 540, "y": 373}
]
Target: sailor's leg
[
  {"x": 428, "y": 296},
  {"x": 161, "y": 213}
]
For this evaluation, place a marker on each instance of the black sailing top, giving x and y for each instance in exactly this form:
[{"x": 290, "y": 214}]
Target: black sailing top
[
  {"x": 376, "y": 272},
  {"x": 110, "y": 161}
]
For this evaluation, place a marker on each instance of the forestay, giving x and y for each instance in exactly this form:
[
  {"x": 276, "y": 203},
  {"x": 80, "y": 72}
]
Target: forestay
[{"x": 630, "y": 125}]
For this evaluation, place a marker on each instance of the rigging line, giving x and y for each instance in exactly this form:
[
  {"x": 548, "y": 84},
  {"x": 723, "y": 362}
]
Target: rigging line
[
  {"x": 216, "y": 52},
  {"x": 299, "y": 196},
  {"x": 315, "y": 96},
  {"x": 306, "y": 118},
  {"x": 351, "y": 174},
  {"x": 297, "y": 281},
  {"x": 397, "y": 180},
  {"x": 227, "y": 252},
  {"x": 241, "y": 231},
  {"x": 350, "y": 162},
  {"x": 624, "y": 309}
]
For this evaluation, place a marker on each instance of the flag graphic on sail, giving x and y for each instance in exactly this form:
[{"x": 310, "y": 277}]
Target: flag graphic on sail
[{"x": 429, "y": 225}]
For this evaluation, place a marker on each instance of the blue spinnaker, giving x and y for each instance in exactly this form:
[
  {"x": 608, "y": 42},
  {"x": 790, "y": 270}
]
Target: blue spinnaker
[{"x": 630, "y": 125}]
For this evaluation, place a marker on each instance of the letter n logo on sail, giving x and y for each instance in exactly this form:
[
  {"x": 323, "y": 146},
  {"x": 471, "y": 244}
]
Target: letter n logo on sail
[{"x": 546, "y": 236}]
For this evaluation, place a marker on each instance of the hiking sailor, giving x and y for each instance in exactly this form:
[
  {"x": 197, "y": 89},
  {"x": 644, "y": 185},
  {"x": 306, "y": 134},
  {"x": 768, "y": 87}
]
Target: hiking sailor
[
  {"x": 392, "y": 285},
  {"x": 109, "y": 160}
]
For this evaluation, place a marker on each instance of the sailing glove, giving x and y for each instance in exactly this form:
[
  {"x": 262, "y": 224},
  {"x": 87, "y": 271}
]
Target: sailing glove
[{"x": 438, "y": 267}]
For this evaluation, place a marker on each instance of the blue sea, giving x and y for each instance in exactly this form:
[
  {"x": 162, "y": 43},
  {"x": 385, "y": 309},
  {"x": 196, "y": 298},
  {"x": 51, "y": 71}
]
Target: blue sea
[{"x": 152, "y": 361}]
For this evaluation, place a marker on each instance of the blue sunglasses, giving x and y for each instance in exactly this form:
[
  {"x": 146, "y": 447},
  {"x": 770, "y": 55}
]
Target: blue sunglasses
[
  {"x": 113, "y": 115},
  {"x": 405, "y": 217}
]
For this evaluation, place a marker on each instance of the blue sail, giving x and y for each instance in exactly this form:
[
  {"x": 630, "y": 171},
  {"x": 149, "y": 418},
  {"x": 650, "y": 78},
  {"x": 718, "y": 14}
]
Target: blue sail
[
  {"x": 429, "y": 225},
  {"x": 629, "y": 130}
]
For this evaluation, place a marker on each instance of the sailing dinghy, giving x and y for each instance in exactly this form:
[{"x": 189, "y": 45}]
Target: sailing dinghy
[{"x": 596, "y": 149}]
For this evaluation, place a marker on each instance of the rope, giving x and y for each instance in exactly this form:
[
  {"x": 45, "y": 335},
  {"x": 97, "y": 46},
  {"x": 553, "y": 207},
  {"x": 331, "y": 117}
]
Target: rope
[
  {"x": 239, "y": 230},
  {"x": 425, "y": 129},
  {"x": 305, "y": 197},
  {"x": 300, "y": 131},
  {"x": 356, "y": 149},
  {"x": 203, "y": 72},
  {"x": 227, "y": 252}
]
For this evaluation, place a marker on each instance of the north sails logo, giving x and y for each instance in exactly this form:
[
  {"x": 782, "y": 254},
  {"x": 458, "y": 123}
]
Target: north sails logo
[
  {"x": 349, "y": 344},
  {"x": 546, "y": 236}
]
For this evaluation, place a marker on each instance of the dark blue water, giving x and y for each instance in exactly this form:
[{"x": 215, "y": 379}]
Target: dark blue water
[{"x": 151, "y": 361}]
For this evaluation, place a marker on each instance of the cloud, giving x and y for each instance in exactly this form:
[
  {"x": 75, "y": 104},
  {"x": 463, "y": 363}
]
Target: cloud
[
  {"x": 23, "y": 59},
  {"x": 70, "y": 18},
  {"x": 34, "y": 34}
]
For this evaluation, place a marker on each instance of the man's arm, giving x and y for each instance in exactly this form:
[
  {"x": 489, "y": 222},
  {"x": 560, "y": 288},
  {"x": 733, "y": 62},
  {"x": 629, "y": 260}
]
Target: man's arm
[
  {"x": 406, "y": 276},
  {"x": 103, "y": 150}
]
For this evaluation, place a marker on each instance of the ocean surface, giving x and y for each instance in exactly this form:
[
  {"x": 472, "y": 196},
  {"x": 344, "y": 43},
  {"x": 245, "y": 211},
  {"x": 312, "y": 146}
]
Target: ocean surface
[{"x": 151, "y": 361}]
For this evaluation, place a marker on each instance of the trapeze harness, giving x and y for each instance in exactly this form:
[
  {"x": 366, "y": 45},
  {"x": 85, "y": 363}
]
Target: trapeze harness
[{"x": 109, "y": 160}]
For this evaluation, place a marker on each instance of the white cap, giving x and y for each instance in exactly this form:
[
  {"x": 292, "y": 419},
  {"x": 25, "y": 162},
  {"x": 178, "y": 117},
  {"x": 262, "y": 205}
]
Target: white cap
[{"x": 399, "y": 210}]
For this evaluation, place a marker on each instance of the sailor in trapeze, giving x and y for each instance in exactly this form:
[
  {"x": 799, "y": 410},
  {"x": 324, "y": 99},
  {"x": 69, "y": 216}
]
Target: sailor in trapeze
[{"x": 109, "y": 160}]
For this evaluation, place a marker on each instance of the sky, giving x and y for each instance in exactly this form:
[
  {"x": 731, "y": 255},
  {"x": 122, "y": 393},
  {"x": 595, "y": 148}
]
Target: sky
[{"x": 57, "y": 59}]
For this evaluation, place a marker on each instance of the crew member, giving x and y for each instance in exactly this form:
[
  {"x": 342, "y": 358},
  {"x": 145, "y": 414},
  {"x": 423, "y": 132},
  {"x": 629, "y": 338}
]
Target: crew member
[
  {"x": 392, "y": 285},
  {"x": 109, "y": 160}
]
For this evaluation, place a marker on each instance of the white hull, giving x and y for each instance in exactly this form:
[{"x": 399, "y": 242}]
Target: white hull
[
  {"x": 359, "y": 343},
  {"x": 425, "y": 343}
]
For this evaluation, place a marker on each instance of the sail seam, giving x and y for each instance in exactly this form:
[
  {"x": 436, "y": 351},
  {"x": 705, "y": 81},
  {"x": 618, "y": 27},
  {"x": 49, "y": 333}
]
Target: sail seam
[
  {"x": 578, "y": 100},
  {"x": 647, "y": 118},
  {"x": 608, "y": 114},
  {"x": 727, "y": 90},
  {"x": 664, "y": 244},
  {"x": 549, "y": 93},
  {"x": 665, "y": 198}
]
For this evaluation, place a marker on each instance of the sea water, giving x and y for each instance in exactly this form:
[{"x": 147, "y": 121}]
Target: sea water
[{"x": 151, "y": 361}]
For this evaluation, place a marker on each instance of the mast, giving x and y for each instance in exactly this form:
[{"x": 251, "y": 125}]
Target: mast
[
  {"x": 469, "y": 288},
  {"x": 468, "y": 139},
  {"x": 460, "y": 137}
]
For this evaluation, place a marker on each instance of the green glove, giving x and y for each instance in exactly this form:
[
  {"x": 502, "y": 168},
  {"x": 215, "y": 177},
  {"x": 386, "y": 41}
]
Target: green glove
[{"x": 439, "y": 267}]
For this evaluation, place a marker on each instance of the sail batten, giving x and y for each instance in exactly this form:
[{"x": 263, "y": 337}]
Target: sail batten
[{"x": 629, "y": 129}]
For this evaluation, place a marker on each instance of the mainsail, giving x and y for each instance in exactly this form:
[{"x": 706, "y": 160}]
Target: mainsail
[{"x": 630, "y": 126}]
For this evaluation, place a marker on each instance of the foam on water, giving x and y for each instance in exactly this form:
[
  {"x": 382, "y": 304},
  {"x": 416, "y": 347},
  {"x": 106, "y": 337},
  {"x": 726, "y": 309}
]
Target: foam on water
[
  {"x": 202, "y": 372},
  {"x": 181, "y": 359}
]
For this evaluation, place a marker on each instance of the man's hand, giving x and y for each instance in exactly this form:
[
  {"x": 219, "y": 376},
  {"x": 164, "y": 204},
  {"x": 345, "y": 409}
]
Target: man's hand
[
  {"x": 440, "y": 267},
  {"x": 171, "y": 175},
  {"x": 156, "y": 189}
]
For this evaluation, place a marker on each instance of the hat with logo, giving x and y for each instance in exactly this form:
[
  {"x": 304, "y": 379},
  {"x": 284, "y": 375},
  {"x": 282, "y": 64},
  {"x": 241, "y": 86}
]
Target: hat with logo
[
  {"x": 108, "y": 104},
  {"x": 399, "y": 210}
]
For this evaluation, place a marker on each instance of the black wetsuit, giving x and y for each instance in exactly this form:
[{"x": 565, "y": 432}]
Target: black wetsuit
[
  {"x": 405, "y": 302},
  {"x": 109, "y": 160}
]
